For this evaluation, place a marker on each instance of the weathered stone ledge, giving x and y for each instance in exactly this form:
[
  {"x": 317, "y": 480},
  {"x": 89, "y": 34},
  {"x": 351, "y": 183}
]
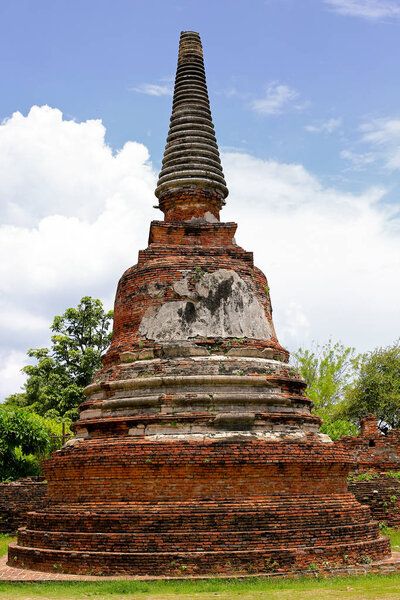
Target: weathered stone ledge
[{"x": 140, "y": 382}]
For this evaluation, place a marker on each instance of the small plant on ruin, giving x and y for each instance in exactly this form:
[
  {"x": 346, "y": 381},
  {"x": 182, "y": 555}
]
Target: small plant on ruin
[
  {"x": 198, "y": 273},
  {"x": 366, "y": 559},
  {"x": 367, "y": 476},
  {"x": 326, "y": 564},
  {"x": 270, "y": 565}
]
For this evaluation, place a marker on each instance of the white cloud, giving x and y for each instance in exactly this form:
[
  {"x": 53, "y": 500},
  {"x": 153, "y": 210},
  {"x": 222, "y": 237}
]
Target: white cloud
[
  {"x": 367, "y": 9},
  {"x": 11, "y": 378},
  {"x": 153, "y": 89},
  {"x": 47, "y": 163},
  {"x": 294, "y": 323},
  {"x": 278, "y": 98},
  {"x": 332, "y": 258},
  {"x": 72, "y": 215},
  {"x": 384, "y": 134},
  {"x": 325, "y": 127},
  {"x": 21, "y": 320},
  {"x": 359, "y": 160}
]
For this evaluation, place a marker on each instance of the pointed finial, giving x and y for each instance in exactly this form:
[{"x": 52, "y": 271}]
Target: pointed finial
[{"x": 191, "y": 182}]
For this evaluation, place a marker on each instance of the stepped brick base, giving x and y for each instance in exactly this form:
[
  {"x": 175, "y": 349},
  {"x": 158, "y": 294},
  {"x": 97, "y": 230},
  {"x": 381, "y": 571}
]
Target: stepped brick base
[{"x": 183, "y": 508}]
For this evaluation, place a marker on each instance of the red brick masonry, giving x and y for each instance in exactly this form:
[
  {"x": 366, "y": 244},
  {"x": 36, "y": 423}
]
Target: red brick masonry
[
  {"x": 17, "y": 498},
  {"x": 375, "y": 479},
  {"x": 216, "y": 508}
]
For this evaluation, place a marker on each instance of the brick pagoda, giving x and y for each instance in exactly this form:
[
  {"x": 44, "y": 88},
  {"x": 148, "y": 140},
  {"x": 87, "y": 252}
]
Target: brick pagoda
[{"x": 196, "y": 451}]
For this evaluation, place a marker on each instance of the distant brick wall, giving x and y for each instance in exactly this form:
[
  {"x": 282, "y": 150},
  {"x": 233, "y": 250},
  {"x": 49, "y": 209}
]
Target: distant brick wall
[
  {"x": 19, "y": 497},
  {"x": 376, "y": 455},
  {"x": 382, "y": 494}
]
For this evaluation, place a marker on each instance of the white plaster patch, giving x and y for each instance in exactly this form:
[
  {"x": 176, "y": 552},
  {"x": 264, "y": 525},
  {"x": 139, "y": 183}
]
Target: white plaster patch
[
  {"x": 208, "y": 217},
  {"x": 224, "y": 305},
  {"x": 181, "y": 287},
  {"x": 155, "y": 289}
]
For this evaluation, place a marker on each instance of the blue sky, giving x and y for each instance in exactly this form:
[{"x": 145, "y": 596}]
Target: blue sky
[
  {"x": 87, "y": 57},
  {"x": 305, "y": 97}
]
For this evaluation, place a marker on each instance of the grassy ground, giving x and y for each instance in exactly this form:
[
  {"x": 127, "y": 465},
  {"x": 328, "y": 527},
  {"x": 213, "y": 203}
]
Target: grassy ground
[
  {"x": 344, "y": 588},
  {"x": 394, "y": 535},
  {"x": 370, "y": 587},
  {"x": 4, "y": 541}
]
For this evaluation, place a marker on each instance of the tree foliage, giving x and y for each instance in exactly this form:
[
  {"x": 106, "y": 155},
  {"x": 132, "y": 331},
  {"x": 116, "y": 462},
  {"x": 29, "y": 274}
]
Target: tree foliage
[
  {"x": 54, "y": 386},
  {"x": 329, "y": 371},
  {"x": 24, "y": 438},
  {"x": 377, "y": 388}
]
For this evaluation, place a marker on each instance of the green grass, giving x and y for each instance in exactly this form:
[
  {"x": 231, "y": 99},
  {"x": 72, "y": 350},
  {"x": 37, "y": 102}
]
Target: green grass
[
  {"x": 394, "y": 535},
  {"x": 370, "y": 587},
  {"x": 4, "y": 541}
]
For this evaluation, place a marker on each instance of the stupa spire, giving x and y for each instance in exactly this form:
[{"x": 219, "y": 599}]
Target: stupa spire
[{"x": 191, "y": 182}]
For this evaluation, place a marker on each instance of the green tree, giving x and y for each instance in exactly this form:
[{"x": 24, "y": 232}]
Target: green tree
[
  {"x": 329, "y": 371},
  {"x": 377, "y": 388},
  {"x": 24, "y": 438},
  {"x": 54, "y": 386}
]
